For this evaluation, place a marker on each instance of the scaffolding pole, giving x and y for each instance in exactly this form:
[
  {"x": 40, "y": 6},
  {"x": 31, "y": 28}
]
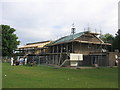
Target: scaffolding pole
[
  {"x": 53, "y": 55},
  {"x": 39, "y": 60},
  {"x": 57, "y": 55},
  {"x": 72, "y": 47},
  {"x": 60, "y": 55}
]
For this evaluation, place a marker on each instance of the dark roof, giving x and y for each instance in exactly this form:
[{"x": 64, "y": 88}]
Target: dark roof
[
  {"x": 71, "y": 38},
  {"x": 67, "y": 38}
]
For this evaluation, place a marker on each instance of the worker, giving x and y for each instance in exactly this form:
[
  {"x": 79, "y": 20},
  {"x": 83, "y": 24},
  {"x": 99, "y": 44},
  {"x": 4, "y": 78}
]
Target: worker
[
  {"x": 12, "y": 61},
  {"x": 116, "y": 63},
  {"x": 25, "y": 60},
  {"x": 21, "y": 61}
]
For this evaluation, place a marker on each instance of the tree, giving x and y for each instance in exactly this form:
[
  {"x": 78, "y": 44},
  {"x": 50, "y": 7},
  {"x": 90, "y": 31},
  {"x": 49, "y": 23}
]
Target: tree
[
  {"x": 9, "y": 40},
  {"x": 107, "y": 38},
  {"x": 116, "y": 42}
]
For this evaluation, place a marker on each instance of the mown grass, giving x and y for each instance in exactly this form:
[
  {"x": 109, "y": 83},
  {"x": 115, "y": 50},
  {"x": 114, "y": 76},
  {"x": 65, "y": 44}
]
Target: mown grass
[{"x": 49, "y": 77}]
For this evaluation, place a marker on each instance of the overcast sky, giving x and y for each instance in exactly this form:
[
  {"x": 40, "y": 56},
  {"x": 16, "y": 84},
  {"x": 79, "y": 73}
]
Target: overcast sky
[{"x": 38, "y": 20}]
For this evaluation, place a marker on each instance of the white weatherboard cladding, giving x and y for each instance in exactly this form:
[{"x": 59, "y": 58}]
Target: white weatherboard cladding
[{"x": 76, "y": 57}]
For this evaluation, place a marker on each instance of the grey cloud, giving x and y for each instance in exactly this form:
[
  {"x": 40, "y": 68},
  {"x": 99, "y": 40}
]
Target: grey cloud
[{"x": 51, "y": 19}]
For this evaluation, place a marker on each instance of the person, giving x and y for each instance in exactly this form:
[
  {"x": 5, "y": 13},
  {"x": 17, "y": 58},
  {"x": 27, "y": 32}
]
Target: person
[
  {"x": 21, "y": 61},
  {"x": 12, "y": 61},
  {"x": 25, "y": 60},
  {"x": 116, "y": 63}
]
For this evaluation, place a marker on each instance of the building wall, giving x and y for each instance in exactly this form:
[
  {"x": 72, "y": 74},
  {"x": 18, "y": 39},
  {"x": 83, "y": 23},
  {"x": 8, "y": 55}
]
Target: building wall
[
  {"x": 85, "y": 49},
  {"x": 81, "y": 48}
]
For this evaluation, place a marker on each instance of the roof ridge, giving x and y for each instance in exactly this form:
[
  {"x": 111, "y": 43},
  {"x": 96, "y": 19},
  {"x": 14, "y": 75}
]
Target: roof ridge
[{"x": 68, "y": 37}]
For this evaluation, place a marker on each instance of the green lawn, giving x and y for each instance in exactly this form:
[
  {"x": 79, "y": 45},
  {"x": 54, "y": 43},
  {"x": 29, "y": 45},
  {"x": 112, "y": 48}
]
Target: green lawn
[{"x": 49, "y": 77}]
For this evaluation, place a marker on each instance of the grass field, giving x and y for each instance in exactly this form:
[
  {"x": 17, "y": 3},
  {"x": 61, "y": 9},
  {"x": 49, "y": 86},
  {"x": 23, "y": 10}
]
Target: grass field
[{"x": 49, "y": 77}]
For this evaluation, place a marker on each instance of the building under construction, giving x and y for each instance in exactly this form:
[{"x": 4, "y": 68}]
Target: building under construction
[
  {"x": 33, "y": 51},
  {"x": 78, "y": 49}
]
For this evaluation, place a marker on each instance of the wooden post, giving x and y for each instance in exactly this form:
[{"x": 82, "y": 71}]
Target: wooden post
[
  {"x": 98, "y": 60},
  {"x": 66, "y": 48},
  {"x": 72, "y": 47},
  {"x": 57, "y": 48},
  {"x": 57, "y": 59},
  {"x": 53, "y": 55},
  {"x": 80, "y": 47},
  {"x": 49, "y": 59},
  {"x": 95, "y": 47},
  {"x": 60, "y": 55},
  {"x": 46, "y": 60},
  {"x": 39, "y": 60}
]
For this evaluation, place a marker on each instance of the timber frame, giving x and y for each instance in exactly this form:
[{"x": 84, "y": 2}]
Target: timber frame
[
  {"x": 87, "y": 43},
  {"x": 94, "y": 50}
]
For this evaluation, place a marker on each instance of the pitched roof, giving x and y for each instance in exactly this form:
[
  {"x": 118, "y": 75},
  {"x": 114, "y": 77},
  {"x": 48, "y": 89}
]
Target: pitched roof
[
  {"x": 36, "y": 45},
  {"x": 73, "y": 37},
  {"x": 68, "y": 38}
]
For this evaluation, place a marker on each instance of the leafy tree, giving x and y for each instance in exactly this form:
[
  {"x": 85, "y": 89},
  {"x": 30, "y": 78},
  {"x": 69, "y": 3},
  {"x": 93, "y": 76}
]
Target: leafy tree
[
  {"x": 116, "y": 42},
  {"x": 9, "y": 40},
  {"x": 107, "y": 38}
]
